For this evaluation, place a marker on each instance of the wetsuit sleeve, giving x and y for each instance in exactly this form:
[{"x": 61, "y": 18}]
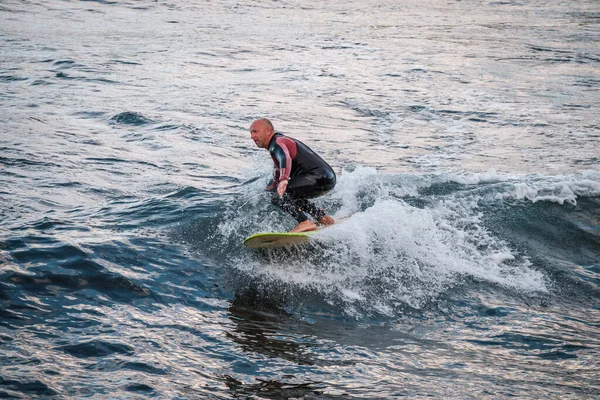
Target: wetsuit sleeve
[{"x": 281, "y": 153}]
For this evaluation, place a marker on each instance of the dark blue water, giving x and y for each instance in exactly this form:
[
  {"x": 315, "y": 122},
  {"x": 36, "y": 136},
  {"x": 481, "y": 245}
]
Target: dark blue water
[{"x": 465, "y": 138}]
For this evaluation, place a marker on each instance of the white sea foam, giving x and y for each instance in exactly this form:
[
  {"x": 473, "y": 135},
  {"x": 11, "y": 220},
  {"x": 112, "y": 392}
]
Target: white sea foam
[
  {"x": 490, "y": 176},
  {"x": 365, "y": 182},
  {"x": 558, "y": 189}
]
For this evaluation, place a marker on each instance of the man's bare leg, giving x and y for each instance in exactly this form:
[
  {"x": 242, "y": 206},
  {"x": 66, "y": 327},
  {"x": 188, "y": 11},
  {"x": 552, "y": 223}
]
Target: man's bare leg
[{"x": 304, "y": 226}]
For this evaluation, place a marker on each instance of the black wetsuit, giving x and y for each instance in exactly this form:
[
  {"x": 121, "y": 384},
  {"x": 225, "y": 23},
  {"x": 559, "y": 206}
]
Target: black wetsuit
[{"x": 308, "y": 176}]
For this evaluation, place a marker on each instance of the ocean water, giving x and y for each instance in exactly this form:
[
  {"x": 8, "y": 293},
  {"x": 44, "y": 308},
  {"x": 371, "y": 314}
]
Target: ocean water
[{"x": 465, "y": 136}]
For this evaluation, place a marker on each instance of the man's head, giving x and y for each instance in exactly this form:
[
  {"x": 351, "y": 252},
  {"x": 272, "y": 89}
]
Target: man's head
[{"x": 261, "y": 131}]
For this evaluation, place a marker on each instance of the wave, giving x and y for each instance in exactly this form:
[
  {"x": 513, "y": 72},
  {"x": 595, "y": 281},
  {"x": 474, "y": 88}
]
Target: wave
[{"x": 407, "y": 241}]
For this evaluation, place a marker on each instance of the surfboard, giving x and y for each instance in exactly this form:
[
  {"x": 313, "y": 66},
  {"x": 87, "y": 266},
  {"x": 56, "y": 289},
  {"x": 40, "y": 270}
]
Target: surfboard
[
  {"x": 276, "y": 239},
  {"x": 280, "y": 239}
]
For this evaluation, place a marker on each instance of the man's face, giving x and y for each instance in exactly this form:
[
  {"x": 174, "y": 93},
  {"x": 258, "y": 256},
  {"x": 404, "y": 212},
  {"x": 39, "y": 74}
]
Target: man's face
[{"x": 259, "y": 132}]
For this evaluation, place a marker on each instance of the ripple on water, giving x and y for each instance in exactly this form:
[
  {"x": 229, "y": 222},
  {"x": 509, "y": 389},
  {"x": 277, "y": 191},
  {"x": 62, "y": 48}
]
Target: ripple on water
[
  {"x": 48, "y": 283},
  {"x": 12, "y": 78},
  {"x": 97, "y": 348},
  {"x": 89, "y": 114},
  {"x": 131, "y": 118},
  {"x": 143, "y": 367},
  {"x": 54, "y": 267},
  {"x": 139, "y": 387},
  {"x": 12, "y": 388}
]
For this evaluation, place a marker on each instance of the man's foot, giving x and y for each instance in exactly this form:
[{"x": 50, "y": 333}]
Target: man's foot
[
  {"x": 304, "y": 226},
  {"x": 326, "y": 220}
]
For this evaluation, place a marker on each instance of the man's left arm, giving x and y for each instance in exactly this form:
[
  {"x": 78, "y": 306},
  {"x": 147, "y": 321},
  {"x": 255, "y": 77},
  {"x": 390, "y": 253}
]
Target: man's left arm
[
  {"x": 282, "y": 154},
  {"x": 274, "y": 181}
]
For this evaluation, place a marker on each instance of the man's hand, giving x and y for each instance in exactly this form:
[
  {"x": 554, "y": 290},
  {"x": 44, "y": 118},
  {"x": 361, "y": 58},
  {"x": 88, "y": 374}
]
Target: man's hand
[{"x": 281, "y": 188}]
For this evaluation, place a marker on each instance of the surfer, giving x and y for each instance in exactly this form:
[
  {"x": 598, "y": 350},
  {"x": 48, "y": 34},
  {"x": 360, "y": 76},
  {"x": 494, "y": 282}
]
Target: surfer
[{"x": 299, "y": 174}]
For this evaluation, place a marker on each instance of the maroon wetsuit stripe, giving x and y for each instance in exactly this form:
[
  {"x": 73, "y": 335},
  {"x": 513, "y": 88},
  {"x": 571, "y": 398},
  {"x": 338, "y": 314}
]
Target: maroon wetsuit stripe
[{"x": 288, "y": 146}]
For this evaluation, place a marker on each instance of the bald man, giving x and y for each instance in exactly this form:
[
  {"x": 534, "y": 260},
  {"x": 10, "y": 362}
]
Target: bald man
[{"x": 300, "y": 174}]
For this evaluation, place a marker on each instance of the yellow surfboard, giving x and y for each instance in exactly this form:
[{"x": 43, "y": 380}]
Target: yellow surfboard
[{"x": 276, "y": 239}]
